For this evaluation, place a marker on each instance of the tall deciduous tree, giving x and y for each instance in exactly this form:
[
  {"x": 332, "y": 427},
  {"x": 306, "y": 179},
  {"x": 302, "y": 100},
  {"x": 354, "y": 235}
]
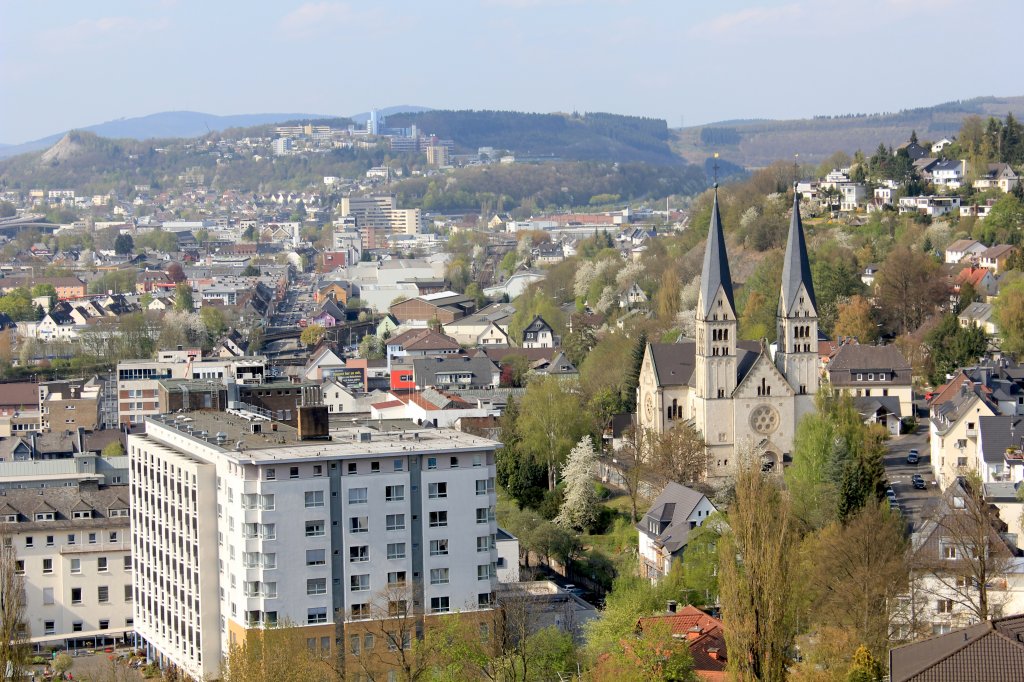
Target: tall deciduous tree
[
  {"x": 14, "y": 634},
  {"x": 183, "y": 300},
  {"x": 278, "y": 653},
  {"x": 756, "y": 555},
  {"x": 550, "y": 422},
  {"x": 855, "y": 319},
  {"x": 1010, "y": 315},
  {"x": 908, "y": 288},
  {"x": 680, "y": 454}
]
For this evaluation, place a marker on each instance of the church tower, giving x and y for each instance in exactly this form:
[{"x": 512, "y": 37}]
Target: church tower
[
  {"x": 797, "y": 318},
  {"x": 715, "y": 320}
]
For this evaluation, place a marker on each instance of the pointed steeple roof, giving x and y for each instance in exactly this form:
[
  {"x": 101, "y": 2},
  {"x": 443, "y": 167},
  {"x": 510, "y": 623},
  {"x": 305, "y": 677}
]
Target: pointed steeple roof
[
  {"x": 716, "y": 264},
  {"x": 796, "y": 269}
]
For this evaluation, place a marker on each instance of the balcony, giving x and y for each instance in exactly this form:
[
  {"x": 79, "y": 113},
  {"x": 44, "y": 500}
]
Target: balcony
[{"x": 87, "y": 548}]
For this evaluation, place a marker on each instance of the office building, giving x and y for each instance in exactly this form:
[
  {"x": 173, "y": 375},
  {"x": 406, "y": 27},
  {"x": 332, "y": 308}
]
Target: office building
[{"x": 378, "y": 218}]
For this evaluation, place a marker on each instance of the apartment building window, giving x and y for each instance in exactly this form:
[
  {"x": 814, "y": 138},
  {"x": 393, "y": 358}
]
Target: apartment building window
[
  {"x": 396, "y": 550},
  {"x": 128, "y": 562},
  {"x": 396, "y": 578},
  {"x": 314, "y": 529},
  {"x": 267, "y": 502},
  {"x": 478, "y": 460},
  {"x": 268, "y": 531},
  {"x": 359, "y": 524},
  {"x": 944, "y": 606},
  {"x": 76, "y": 626},
  {"x": 128, "y": 594},
  {"x": 49, "y": 627},
  {"x": 438, "y": 576},
  {"x": 314, "y": 498},
  {"x": 29, "y": 541},
  {"x": 76, "y": 595},
  {"x": 353, "y": 468},
  {"x": 397, "y": 607},
  {"x": 360, "y": 611},
  {"x": 438, "y": 547},
  {"x": 439, "y": 605},
  {"x": 101, "y": 564},
  {"x": 92, "y": 538},
  {"x": 103, "y": 594},
  {"x": 317, "y": 614},
  {"x": 483, "y": 572},
  {"x": 76, "y": 565},
  {"x": 394, "y": 493},
  {"x": 483, "y": 514},
  {"x": 398, "y": 466},
  {"x": 437, "y": 490},
  {"x": 359, "y": 554},
  {"x": 438, "y": 519},
  {"x": 268, "y": 590},
  {"x": 316, "y": 586},
  {"x": 431, "y": 462},
  {"x": 316, "y": 557},
  {"x": 49, "y": 541},
  {"x": 270, "y": 474},
  {"x": 270, "y": 561},
  {"x": 357, "y": 496},
  {"x": 355, "y": 644},
  {"x": 484, "y": 486},
  {"x": 359, "y": 582},
  {"x": 19, "y": 566},
  {"x": 483, "y": 543},
  {"x": 293, "y": 472},
  {"x": 71, "y": 538},
  {"x": 249, "y": 501},
  {"x": 454, "y": 463},
  {"x": 318, "y": 470},
  {"x": 483, "y": 600},
  {"x": 374, "y": 467},
  {"x": 395, "y": 522},
  {"x": 47, "y": 595}
]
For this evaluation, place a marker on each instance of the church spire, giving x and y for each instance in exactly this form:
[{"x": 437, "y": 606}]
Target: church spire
[
  {"x": 715, "y": 273},
  {"x": 797, "y": 268}
]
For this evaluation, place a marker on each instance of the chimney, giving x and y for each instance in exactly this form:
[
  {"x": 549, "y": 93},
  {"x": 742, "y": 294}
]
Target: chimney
[
  {"x": 671, "y": 606},
  {"x": 693, "y": 633},
  {"x": 713, "y": 653}
]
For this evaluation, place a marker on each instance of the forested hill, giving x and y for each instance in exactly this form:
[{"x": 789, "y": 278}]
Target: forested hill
[
  {"x": 758, "y": 143},
  {"x": 571, "y": 137}
]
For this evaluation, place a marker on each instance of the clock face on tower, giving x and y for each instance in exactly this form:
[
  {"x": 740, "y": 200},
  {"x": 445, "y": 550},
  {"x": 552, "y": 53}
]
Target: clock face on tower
[
  {"x": 764, "y": 419},
  {"x": 649, "y": 406}
]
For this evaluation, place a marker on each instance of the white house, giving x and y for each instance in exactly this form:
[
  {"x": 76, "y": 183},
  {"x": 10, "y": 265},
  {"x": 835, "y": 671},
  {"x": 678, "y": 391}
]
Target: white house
[
  {"x": 948, "y": 173},
  {"x": 664, "y": 530},
  {"x": 962, "y": 248}
]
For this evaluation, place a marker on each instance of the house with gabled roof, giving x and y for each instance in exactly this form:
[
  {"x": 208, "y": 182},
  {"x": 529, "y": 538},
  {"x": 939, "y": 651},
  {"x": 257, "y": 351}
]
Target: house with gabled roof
[
  {"x": 665, "y": 528},
  {"x": 992, "y": 650},
  {"x": 539, "y": 334},
  {"x": 997, "y": 176},
  {"x": 701, "y": 633}
]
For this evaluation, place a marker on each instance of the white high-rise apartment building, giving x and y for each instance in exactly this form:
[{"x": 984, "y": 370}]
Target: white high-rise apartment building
[{"x": 244, "y": 523}]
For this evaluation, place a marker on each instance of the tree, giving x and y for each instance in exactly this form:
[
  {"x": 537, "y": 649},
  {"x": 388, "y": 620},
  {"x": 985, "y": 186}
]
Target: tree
[
  {"x": 634, "y": 459},
  {"x": 1010, "y": 315},
  {"x": 579, "y": 506},
  {"x": 175, "y": 273},
  {"x": 250, "y": 270},
  {"x": 667, "y": 299},
  {"x": 908, "y": 288},
  {"x": 312, "y": 334},
  {"x": 579, "y": 342},
  {"x": 632, "y": 381},
  {"x": 700, "y": 560},
  {"x": 62, "y": 663},
  {"x": 277, "y": 653},
  {"x": 964, "y": 559},
  {"x": 14, "y": 649},
  {"x": 124, "y": 244},
  {"x": 213, "y": 319},
  {"x": 865, "y": 667},
  {"x": 952, "y": 346},
  {"x": 680, "y": 454},
  {"x": 756, "y": 576},
  {"x": 371, "y": 347},
  {"x": 113, "y": 449},
  {"x": 812, "y": 479},
  {"x": 46, "y": 290},
  {"x": 855, "y": 320},
  {"x": 652, "y": 654},
  {"x": 183, "y": 302},
  {"x": 551, "y": 422},
  {"x": 851, "y": 574}
]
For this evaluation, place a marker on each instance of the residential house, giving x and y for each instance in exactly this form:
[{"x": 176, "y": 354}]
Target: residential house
[
  {"x": 1003, "y": 496},
  {"x": 996, "y": 257},
  {"x": 338, "y": 292},
  {"x": 979, "y": 314},
  {"x": 977, "y": 210},
  {"x": 321, "y": 363},
  {"x": 539, "y": 334},
  {"x": 930, "y": 205},
  {"x": 446, "y": 307},
  {"x": 953, "y": 430},
  {"x": 459, "y": 371},
  {"x": 915, "y": 151},
  {"x": 665, "y": 528},
  {"x": 1000, "y": 442},
  {"x": 514, "y": 285},
  {"x": 964, "y": 248},
  {"x": 981, "y": 280},
  {"x": 852, "y": 196},
  {"x": 330, "y": 315},
  {"x": 549, "y": 254},
  {"x": 468, "y": 330},
  {"x": 633, "y": 297},
  {"x": 937, "y": 147},
  {"x": 948, "y": 173},
  {"x": 420, "y": 343},
  {"x": 997, "y": 176},
  {"x": 69, "y": 405},
  {"x": 702, "y": 634},
  {"x": 869, "y": 274},
  {"x": 873, "y": 372},
  {"x": 992, "y": 650},
  {"x": 557, "y": 365}
]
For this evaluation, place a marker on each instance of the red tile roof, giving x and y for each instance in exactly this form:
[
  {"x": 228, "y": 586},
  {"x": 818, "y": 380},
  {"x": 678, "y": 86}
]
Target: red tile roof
[{"x": 704, "y": 635}]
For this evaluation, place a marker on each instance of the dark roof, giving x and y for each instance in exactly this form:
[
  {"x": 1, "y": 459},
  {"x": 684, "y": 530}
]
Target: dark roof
[
  {"x": 992, "y": 650},
  {"x": 715, "y": 272},
  {"x": 855, "y": 356},
  {"x": 423, "y": 340},
  {"x": 797, "y": 268},
  {"x": 538, "y": 324},
  {"x": 19, "y": 394},
  {"x": 870, "y": 405},
  {"x": 916, "y": 151},
  {"x": 671, "y": 511},
  {"x": 997, "y": 434},
  {"x": 64, "y": 500},
  {"x": 947, "y": 164},
  {"x": 674, "y": 363}
]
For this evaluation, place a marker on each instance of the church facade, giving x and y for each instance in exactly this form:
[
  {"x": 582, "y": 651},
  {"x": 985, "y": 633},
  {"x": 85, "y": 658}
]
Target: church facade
[{"x": 737, "y": 394}]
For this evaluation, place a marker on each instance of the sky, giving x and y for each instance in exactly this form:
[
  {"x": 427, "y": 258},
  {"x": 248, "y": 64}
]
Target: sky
[{"x": 66, "y": 64}]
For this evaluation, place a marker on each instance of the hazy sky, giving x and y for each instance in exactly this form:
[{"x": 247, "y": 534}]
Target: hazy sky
[{"x": 76, "y": 63}]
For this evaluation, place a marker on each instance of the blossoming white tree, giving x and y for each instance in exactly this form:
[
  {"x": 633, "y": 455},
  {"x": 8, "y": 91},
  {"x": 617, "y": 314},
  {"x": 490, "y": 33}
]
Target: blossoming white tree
[{"x": 579, "y": 507}]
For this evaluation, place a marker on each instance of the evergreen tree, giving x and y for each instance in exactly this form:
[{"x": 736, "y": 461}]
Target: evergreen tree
[{"x": 632, "y": 382}]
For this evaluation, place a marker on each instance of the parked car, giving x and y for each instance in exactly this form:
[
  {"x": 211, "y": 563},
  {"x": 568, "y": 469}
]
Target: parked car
[
  {"x": 891, "y": 494},
  {"x": 913, "y": 457},
  {"x": 918, "y": 481}
]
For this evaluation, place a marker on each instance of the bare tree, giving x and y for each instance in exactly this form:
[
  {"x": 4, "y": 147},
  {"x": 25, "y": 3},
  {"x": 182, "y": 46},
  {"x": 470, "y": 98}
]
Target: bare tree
[
  {"x": 633, "y": 465},
  {"x": 392, "y": 638},
  {"x": 13, "y": 628},
  {"x": 680, "y": 455},
  {"x": 279, "y": 653},
  {"x": 959, "y": 557}
]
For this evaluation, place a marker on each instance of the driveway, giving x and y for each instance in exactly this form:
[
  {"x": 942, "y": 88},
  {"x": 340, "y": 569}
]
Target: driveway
[{"x": 917, "y": 505}]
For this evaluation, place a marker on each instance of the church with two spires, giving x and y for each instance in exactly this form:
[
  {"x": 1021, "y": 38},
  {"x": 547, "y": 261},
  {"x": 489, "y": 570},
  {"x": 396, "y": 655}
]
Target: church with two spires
[{"x": 739, "y": 395}]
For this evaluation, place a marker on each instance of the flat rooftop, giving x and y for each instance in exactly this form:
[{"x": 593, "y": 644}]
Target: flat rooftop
[{"x": 257, "y": 440}]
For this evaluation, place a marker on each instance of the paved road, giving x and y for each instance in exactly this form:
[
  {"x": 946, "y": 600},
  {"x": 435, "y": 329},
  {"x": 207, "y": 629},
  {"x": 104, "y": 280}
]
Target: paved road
[{"x": 916, "y": 504}]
